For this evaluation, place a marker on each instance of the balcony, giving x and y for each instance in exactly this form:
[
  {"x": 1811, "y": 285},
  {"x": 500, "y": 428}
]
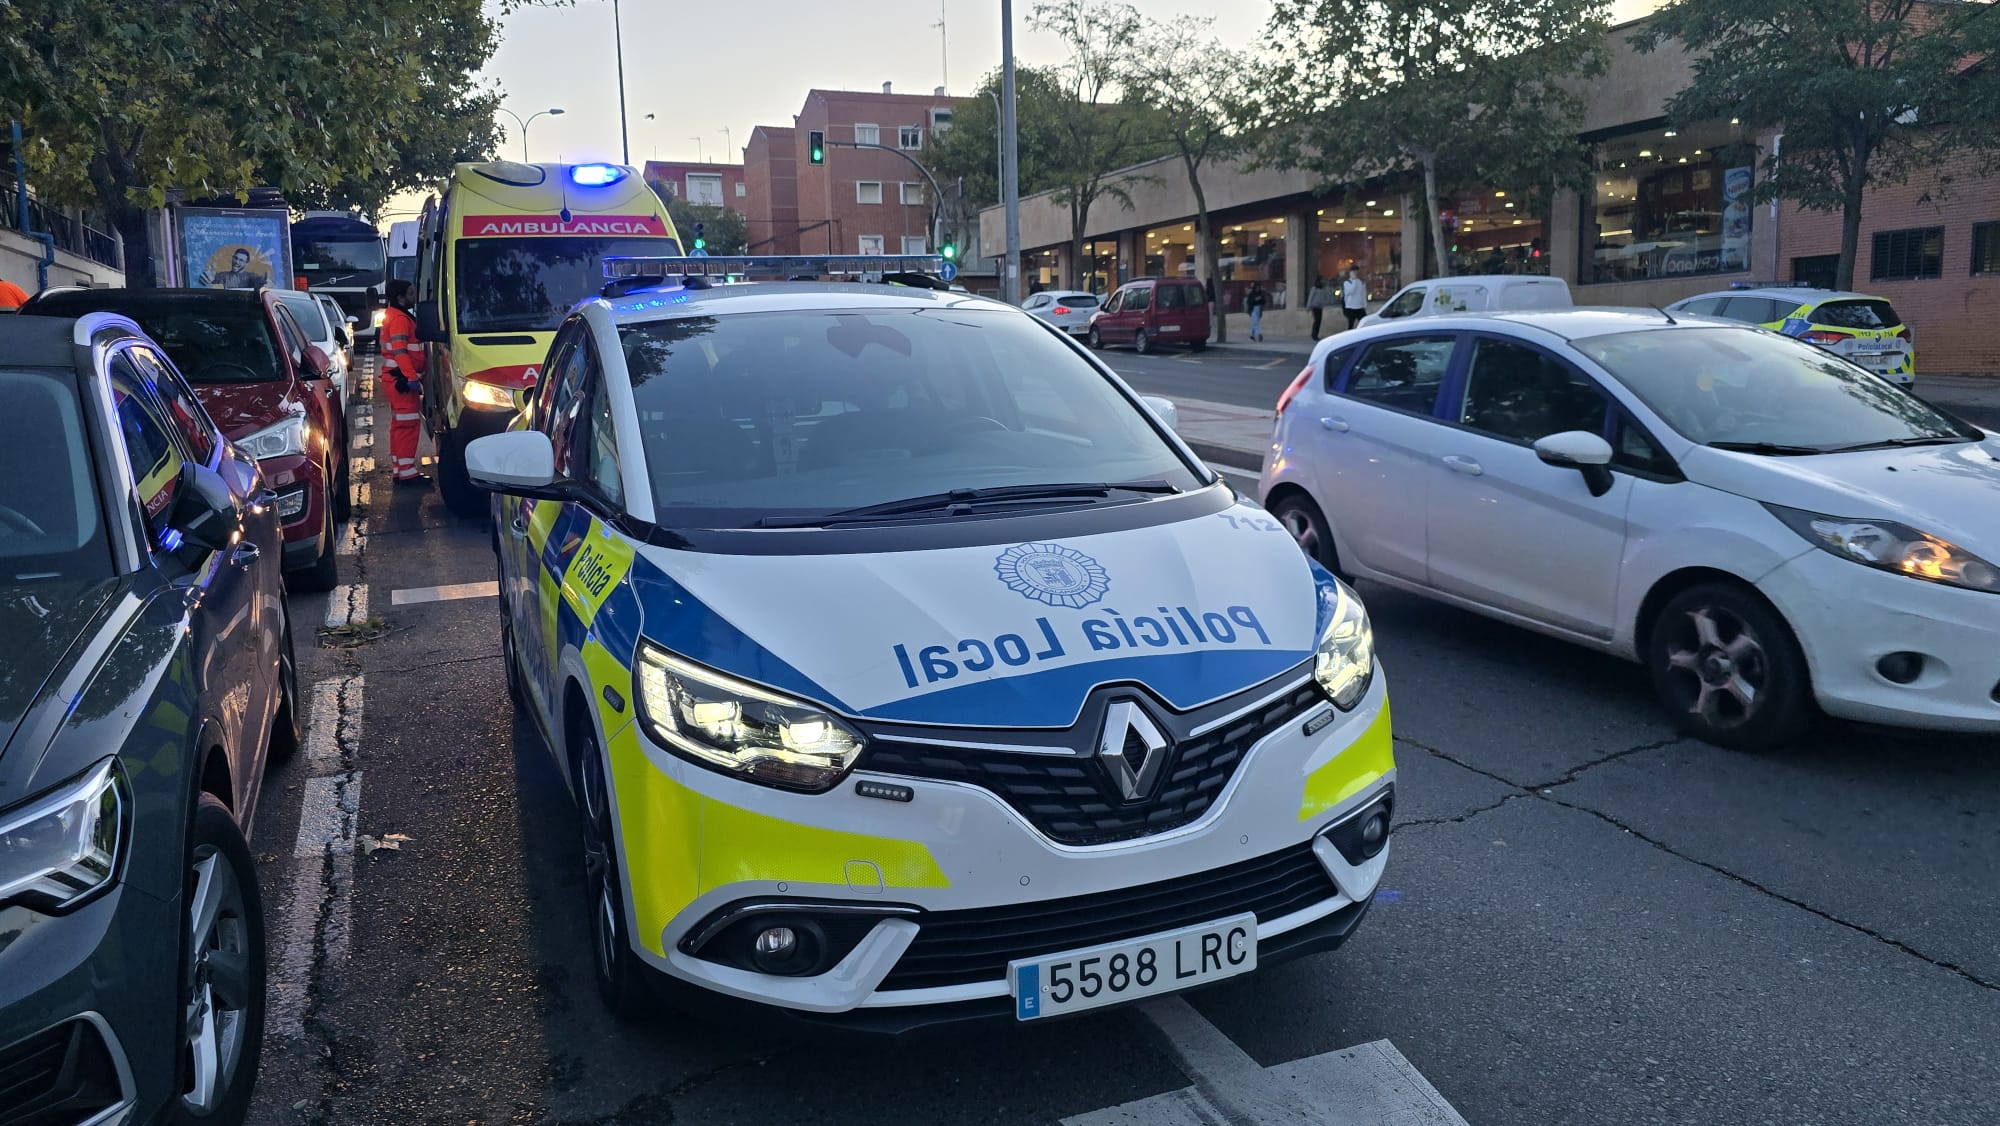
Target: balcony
[{"x": 71, "y": 233}]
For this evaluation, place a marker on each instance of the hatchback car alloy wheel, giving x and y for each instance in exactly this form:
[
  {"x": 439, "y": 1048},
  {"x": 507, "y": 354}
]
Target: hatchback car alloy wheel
[
  {"x": 1728, "y": 668},
  {"x": 223, "y": 970}
]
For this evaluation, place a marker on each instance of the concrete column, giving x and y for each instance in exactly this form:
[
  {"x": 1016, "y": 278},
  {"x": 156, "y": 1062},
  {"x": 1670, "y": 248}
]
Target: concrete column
[
  {"x": 1567, "y": 232},
  {"x": 1417, "y": 262},
  {"x": 1298, "y": 256}
]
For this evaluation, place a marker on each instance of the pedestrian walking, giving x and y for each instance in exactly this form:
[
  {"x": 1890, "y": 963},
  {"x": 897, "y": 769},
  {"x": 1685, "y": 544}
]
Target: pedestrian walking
[
  {"x": 1254, "y": 301},
  {"x": 1317, "y": 300},
  {"x": 402, "y": 363},
  {"x": 1354, "y": 296}
]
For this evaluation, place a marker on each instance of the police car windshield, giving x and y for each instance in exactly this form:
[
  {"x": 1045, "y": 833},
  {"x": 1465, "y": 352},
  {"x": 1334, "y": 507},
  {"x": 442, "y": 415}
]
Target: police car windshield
[
  {"x": 527, "y": 284},
  {"x": 49, "y": 526},
  {"x": 774, "y": 418}
]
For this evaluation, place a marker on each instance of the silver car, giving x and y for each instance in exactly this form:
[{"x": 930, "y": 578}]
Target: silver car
[{"x": 1067, "y": 309}]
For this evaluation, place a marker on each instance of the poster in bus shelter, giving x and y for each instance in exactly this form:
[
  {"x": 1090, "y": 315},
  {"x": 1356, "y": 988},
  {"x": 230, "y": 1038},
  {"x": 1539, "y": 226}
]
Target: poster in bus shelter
[{"x": 235, "y": 248}]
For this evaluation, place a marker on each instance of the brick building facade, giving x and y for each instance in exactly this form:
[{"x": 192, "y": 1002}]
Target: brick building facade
[
  {"x": 714, "y": 185},
  {"x": 860, "y": 201}
]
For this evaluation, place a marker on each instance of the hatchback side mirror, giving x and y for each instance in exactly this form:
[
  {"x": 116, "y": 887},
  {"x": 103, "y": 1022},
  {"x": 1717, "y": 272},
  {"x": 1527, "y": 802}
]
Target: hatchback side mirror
[
  {"x": 517, "y": 462},
  {"x": 1580, "y": 450},
  {"x": 431, "y": 327},
  {"x": 205, "y": 512}
]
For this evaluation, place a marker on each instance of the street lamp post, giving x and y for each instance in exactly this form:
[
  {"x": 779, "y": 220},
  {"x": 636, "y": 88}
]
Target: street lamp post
[
  {"x": 553, "y": 111},
  {"x": 1010, "y": 170},
  {"x": 618, "y": 38}
]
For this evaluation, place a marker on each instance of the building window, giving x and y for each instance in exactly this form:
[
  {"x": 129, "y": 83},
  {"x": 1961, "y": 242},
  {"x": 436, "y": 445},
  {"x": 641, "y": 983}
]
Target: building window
[
  {"x": 940, "y": 119},
  {"x": 704, "y": 188},
  {"x": 868, "y": 191},
  {"x": 1354, "y": 234},
  {"x": 1252, "y": 251},
  {"x": 1816, "y": 270},
  {"x": 739, "y": 190},
  {"x": 871, "y": 244},
  {"x": 913, "y": 195},
  {"x": 1666, "y": 204},
  {"x": 1490, "y": 231},
  {"x": 1907, "y": 255},
  {"x": 867, "y": 134},
  {"x": 915, "y": 244},
  {"x": 910, "y": 137},
  {"x": 1986, "y": 248}
]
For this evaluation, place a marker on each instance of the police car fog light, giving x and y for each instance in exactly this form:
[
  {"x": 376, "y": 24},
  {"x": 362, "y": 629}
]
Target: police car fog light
[
  {"x": 776, "y": 941},
  {"x": 885, "y": 791},
  {"x": 1363, "y": 836},
  {"x": 1901, "y": 668}
]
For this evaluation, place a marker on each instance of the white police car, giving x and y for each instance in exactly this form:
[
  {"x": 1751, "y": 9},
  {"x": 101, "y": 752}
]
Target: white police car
[{"x": 906, "y": 667}]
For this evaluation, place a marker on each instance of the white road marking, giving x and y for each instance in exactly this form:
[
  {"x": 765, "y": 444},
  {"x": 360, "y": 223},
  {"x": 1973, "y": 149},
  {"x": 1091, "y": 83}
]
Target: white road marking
[
  {"x": 1370, "y": 1083},
  {"x": 1274, "y": 363},
  {"x": 348, "y": 605},
  {"x": 414, "y": 595},
  {"x": 323, "y": 730},
  {"x": 318, "y": 917},
  {"x": 365, "y": 440}
]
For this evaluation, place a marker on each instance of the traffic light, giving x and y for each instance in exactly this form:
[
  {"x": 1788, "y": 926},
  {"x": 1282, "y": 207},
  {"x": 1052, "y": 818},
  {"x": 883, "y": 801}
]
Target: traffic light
[
  {"x": 948, "y": 251},
  {"x": 700, "y": 243},
  {"x": 816, "y": 147}
]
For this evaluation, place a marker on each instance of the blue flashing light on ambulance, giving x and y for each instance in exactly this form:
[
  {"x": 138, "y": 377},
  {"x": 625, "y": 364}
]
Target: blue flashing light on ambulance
[{"x": 501, "y": 258}]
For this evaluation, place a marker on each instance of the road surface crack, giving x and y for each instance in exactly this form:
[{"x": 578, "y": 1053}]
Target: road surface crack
[
  {"x": 1542, "y": 793},
  {"x": 1574, "y": 772},
  {"x": 1460, "y": 818}
]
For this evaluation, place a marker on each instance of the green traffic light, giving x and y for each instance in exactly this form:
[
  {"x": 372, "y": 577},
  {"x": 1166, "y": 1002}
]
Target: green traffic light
[
  {"x": 701, "y": 244},
  {"x": 949, "y": 251}
]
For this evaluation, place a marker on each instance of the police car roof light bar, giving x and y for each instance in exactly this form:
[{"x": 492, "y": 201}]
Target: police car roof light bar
[{"x": 778, "y": 267}]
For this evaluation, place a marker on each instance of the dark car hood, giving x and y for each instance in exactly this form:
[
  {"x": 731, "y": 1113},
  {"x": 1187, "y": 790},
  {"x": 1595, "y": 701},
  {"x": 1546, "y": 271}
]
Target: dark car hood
[
  {"x": 43, "y": 623},
  {"x": 242, "y": 409}
]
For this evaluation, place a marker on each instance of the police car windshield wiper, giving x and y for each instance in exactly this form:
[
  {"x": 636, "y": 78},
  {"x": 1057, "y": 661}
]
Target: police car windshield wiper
[
  {"x": 955, "y": 498},
  {"x": 1898, "y": 443},
  {"x": 1775, "y": 449}
]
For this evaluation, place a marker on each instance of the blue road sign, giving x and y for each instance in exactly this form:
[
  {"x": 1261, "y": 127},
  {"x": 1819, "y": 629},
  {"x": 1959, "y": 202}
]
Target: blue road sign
[{"x": 949, "y": 271}]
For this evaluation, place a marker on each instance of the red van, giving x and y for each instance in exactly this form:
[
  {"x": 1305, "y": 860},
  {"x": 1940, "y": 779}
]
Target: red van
[{"x": 1153, "y": 311}]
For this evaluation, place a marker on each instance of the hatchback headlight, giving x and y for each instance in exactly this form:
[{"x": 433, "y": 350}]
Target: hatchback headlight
[
  {"x": 1344, "y": 663},
  {"x": 1889, "y": 546},
  {"x": 742, "y": 728},
  {"x": 286, "y": 436},
  {"x": 61, "y": 848}
]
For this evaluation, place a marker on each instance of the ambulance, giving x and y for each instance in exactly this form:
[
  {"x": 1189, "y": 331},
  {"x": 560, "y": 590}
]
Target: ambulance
[
  {"x": 906, "y": 666},
  {"x": 501, "y": 258}
]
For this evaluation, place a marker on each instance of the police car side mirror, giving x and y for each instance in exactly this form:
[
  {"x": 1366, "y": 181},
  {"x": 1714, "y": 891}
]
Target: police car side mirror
[
  {"x": 518, "y": 462},
  {"x": 1164, "y": 410},
  {"x": 431, "y": 328}
]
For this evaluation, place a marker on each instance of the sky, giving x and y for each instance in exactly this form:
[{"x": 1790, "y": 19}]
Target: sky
[{"x": 754, "y": 66}]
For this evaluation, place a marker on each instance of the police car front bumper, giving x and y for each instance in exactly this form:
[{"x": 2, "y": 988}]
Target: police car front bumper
[{"x": 919, "y": 902}]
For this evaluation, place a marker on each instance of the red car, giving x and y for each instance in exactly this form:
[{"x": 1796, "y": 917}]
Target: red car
[
  {"x": 1152, "y": 311},
  {"x": 267, "y": 387}
]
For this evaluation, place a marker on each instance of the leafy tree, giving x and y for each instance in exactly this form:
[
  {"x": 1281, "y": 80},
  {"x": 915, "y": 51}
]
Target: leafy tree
[
  {"x": 1094, "y": 138},
  {"x": 1201, "y": 93},
  {"x": 337, "y": 100},
  {"x": 1453, "y": 93},
  {"x": 1867, "y": 91},
  {"x": 727, "y": 231}
]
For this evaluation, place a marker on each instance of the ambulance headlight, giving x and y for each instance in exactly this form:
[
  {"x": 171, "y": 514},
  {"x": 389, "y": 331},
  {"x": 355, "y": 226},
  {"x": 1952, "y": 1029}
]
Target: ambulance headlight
[
  {"x": 1344, "y": 664},
  {"x": 739, "y": 727}
]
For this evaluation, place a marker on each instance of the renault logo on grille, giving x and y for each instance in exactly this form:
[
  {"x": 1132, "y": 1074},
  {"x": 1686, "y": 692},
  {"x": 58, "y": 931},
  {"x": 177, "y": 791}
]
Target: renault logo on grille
[{"x": 1132, "y": 749}]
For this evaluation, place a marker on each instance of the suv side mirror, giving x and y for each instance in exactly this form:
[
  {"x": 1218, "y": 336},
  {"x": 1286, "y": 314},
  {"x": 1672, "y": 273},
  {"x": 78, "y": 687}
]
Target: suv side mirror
[
  {"x": 1579, "y": 450},
  {"x": 205, "y": 512},
  {"x": 317, "y": 364},
  {"x": 431, "y": 327}
]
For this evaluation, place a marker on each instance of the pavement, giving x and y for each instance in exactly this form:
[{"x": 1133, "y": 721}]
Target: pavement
[{"x": 1585, "y": 920}]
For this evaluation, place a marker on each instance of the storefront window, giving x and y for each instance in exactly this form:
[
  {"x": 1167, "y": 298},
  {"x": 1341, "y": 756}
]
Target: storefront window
[
  {"x": 1100, "y": 266},
  {"x": 1249, "y": 251},
  {"x": 1364, "y": 233},
  {"x": 1492, "y": 232},
  {"x": 1042, "y": 269},
  {"x": 1664, "y": 204}
]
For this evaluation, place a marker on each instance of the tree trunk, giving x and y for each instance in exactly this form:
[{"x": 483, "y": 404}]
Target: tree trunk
[
  {"x": 1079, "y": 218},
  {"x": 130, "y": 222},
  {"x": 1850, "y": 214},
  {"x": 1433, "y": 219},
  {"x": 1207, "y": 261}
]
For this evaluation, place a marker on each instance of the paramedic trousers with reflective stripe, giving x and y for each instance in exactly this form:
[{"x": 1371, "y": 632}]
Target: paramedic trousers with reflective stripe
[{"x": 405, "y": 420}]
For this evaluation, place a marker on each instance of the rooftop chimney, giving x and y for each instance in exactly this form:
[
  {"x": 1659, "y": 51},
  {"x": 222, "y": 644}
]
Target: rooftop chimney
[
  {"x": 938, "y": 93},
  {"x": 885, "y": 87}
]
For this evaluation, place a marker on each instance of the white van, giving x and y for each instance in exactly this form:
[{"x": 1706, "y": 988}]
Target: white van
[{"x": 1476, "y": 294}]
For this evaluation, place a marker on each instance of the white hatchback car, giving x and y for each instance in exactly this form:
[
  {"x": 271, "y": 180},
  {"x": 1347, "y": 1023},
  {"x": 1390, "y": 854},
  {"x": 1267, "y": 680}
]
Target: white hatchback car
[
  {"x": 1067, "y": 309},
  {"x": 1765, "y": 526}
]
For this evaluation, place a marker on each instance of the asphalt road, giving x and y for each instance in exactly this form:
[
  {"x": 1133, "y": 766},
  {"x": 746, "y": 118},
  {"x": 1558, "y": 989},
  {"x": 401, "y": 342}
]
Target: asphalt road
[{"x": 1585, "y": 919}]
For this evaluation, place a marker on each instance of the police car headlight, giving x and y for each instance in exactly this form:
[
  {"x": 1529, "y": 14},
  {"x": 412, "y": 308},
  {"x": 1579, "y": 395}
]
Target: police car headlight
[
  {"x": 739, "y": 727},
  {"x": 1344, "y": 663},
  {"x": 287, "y": 436}
]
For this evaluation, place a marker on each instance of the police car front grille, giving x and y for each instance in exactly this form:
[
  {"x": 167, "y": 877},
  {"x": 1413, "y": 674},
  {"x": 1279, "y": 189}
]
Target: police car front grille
[
  {"x": 1073, "y": 800},
  {"x": 964, "y": 947}
]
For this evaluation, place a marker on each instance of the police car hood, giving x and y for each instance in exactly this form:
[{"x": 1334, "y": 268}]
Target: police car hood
[{"x": 1012, "y": 634}]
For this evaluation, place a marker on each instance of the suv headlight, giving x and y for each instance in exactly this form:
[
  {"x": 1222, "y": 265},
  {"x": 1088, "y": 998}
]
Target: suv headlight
[
  {"x": 1344, "y": 663},
  {"x": 1889, "y": 546},
  {"x": 61, "y": 848},
  {"x": 741, "y": 728},
  {"x": 286, "y": 436}
]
